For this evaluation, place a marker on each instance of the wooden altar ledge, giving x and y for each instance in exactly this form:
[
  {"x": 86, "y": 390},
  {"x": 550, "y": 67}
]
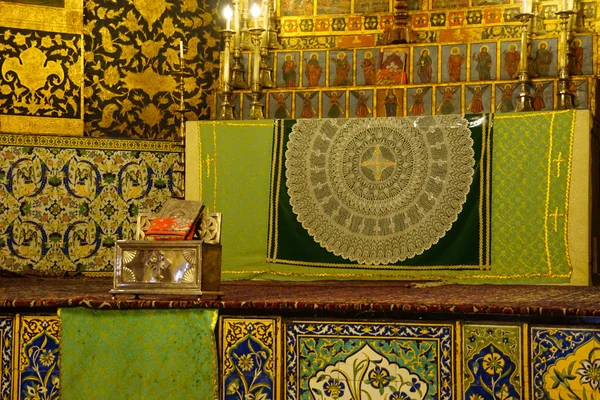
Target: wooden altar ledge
[{"x": 35, "y": 294}]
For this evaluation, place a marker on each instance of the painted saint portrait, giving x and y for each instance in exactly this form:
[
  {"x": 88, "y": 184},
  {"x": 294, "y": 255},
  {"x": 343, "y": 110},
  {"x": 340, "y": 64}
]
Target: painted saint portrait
[
  {"x": 367, "y": 67},
  {"x": 425, "y": 64},
  {"x": 454, "y": 61},
  {"x": 307, "y": 105},
  {"x": 361, "y": 103},
  {"x": 542, "y": 96},
  {"x": 483, "y": 62},
  {"x": 334, "y": 104},
  {"x": 449, "y": 100},
  {"x": 340, "y": 70},
  {"x": 418, "y": 101},
  {"x": 478, "y": 99},
  {"x": 392, "y": 68},
  {"x": 545, "y": 55},
  {"x": 314, "y": 69},
  {"x": 280, "y": 105},
  {"x": 506, "y": 94},
  {"x": 510, "y": 56},
  {"x": 390, "y": 102},
  {"x": 288, "y": 69}
]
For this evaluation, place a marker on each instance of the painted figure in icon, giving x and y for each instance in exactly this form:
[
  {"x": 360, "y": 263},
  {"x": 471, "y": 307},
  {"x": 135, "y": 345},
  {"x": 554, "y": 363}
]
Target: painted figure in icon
[
  {"x": 417, "y": 107},
  {"x": 447, "y": 104},
  {"x": 454, "y": 64},
  {"x": 543, "y": 59},
  {"x": 289, "y": 71},
  {"x": 281, "y": 110},
  {"x": 368, "y": 67},
  {"x": 391, "y": 103},
  {"x": 335, "y": 110},
  {"x": 538, "y": 96},
  {"x": 393, "y": 67},
  {"x": 342, "y": 70},
  {"x": 576, "y": 64},
  {"x": 476, "y": 104},
  {"x": 313, "y": 70},
  {"x": 511, "y": 60},
  {"x": 506, "y": 102},
  {"x": 362, "y": 108},
  {"x": 574, "y": 91},
  {"x": 308, "y": 111},
  {"x": 484, "y": 64},
  {"x": 424, "y": 69}
]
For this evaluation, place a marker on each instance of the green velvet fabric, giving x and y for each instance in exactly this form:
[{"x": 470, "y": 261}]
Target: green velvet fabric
[
  {"x": 138, "y": 354},
  {"x": 460, "y": 248}
]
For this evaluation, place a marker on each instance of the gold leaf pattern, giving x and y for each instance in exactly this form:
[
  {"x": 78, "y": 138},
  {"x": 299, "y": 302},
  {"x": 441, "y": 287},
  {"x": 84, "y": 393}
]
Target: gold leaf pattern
[{"x": 130, "y": 57}]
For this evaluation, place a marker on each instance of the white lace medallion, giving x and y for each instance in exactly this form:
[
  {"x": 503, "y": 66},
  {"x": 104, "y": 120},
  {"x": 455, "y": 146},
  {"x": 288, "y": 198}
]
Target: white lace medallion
[{"x": 378, "y": 191}]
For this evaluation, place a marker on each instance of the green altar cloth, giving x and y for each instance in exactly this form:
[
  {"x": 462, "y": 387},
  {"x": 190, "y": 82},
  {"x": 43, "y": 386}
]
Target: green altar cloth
[
  {"x": 538, "y": 217},
  {"x": 138, "y": 354}
]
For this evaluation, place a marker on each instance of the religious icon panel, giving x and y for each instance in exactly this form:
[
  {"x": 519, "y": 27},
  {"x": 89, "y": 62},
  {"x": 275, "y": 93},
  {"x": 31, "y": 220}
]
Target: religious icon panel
[
  {"x": 510, "y": 55},
  {"x": 393, "y": 67},
  {"x": 545, "y": 54},
  {"x": 542, "y": 94},
  {"x": 579, "y": 90},
  {"x": 333, "y": 7},
  {"x": 483, "y": 62},
  {"x": 307, "y": 104},
  {"x": 506, "y": 97},
  {"x": 478, "y": 99},
  {"x": 448, "y": 100},
  {"x": 454, "y": 63},
  {"x": 340, "y": 68},
  {"x": 371, "y": 6},
  {"x": 582, "y": 62},
  {"x": 390, "y": 102},
  {"x": 361, "y": 103},
  {"x": 288, "y": 69},
  {"x": 334, "y": 104},
  {"x": 280, "y": 105},
  {"x": 425, "y": 64},
  {"x": 419, "y": 101},
  {"x": 366, "y": 66},
  {"x": 291, "y": 8},
  {"x": 314, "y": 68}
]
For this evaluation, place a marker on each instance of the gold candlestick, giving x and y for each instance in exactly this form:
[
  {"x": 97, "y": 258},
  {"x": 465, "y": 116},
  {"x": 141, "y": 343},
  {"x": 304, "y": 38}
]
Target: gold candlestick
[
  {"x": 178, "y": 172},
  {"x": 226, "y": 106},
  {"x": 524, "y": 102},
  {"x": 565, "y": 98},
  {"x": 256, "y": 109},
  {"x": 237, "y": 76}
]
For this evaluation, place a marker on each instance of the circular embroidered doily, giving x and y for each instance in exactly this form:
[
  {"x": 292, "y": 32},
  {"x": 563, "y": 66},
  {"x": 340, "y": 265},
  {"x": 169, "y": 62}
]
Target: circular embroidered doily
[{"x": 378, "y": 191}]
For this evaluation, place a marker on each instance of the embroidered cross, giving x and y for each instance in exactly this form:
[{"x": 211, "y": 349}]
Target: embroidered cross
[
  {"x": 377, "y": 163},
  {"x": 208, "y": 161},
  {"x": 555, "y": 216},
  {"x": 559, "y": 160}
]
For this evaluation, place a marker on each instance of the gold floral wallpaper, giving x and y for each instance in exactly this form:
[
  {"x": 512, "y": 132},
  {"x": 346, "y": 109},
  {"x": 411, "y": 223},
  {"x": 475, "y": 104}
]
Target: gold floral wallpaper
[{"x": 132, "y": 55}]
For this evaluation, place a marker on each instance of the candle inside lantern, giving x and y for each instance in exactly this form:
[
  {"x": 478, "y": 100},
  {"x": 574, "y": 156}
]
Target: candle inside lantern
[
  {"x": 255, "y": 12},
  {"x": 227, "y": 14},
  {"x": 181, "y": 49}
]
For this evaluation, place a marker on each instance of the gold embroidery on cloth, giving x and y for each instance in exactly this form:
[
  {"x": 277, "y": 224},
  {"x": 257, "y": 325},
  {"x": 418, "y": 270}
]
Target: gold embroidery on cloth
[{"x": 378, "y": 191}]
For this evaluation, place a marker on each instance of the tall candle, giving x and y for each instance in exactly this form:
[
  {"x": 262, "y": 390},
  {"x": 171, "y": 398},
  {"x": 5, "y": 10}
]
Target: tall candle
[
  {"x": 266, "y": 15},
  {"x": 564, "y": 5},
  {"x": 525, "y": 7},
  {"x": 227, "y": 13},
  {"x": 236, "y": 24},
  {"x": 181, "y": 49},
  {"x": 255, "y": 12}
]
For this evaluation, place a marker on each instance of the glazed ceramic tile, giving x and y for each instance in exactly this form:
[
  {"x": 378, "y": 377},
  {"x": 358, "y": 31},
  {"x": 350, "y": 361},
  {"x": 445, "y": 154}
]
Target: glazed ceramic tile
[
  {"x": 368, "y": 361},
  {"x": 491, "y": 362},
  {"x": 249, "y": 358},
  {"x": 39, "y": 340},
  {"x": 565, "y": 363}
]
